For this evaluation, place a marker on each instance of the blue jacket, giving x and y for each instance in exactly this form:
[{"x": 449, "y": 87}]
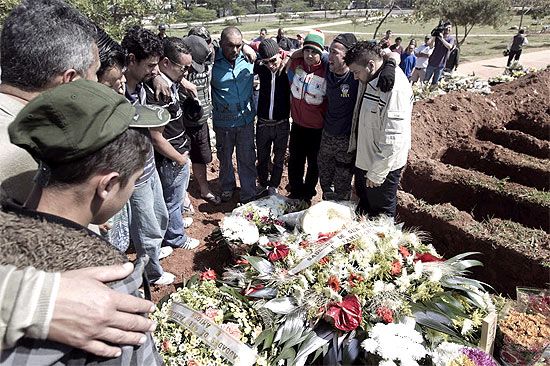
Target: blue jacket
[{"x": 232, "y": 97}]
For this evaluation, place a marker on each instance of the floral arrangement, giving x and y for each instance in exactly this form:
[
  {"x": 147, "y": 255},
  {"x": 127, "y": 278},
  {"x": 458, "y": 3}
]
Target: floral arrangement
[
  {"x": 366, "y": 274},
  {"x": 179, "y": 346},
  {"x": 452, "y": 354},
  {"x": 449, "y": 83}
]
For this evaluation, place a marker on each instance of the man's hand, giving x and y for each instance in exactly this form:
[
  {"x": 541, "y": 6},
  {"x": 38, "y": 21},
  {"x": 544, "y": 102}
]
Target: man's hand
[
  {"x": 189, "y": 88},
  {"x": 88, "y": 314},
  {"x": 371, "y": 184},
  {"x": 184, "y": 158},
  {"x": 161, "y": 87},
  {"x": 386, "y": 79},
  {"x": 249, "y": 53},
  {"x": 104, "y": 228}
]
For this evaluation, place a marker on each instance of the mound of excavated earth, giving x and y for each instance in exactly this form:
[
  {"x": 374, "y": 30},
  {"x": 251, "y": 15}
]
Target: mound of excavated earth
[{"x": 478, "y": 179}]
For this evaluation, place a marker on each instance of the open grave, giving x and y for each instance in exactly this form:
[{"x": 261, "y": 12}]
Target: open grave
[{"x": 478, "y": 179}]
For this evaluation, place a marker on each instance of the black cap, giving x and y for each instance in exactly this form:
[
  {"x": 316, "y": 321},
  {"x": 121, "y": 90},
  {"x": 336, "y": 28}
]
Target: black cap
[
  {"x": 200, "y": 51},
  {"x": 346, "y": 39},
  {"x": 162, "y": 26},
  {"x": 268, "y": 48}
]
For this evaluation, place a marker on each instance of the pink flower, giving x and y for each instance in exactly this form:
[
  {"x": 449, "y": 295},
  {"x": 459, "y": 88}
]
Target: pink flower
[
  {"x": 233, "y": 329},
  {"x": 404, "y": 252},
  {"x": 166, "y": 345},
  {"x": 211, "y": 313},
  {"x": 385, "y": 314},
  {"x": 396, "y": 268}
]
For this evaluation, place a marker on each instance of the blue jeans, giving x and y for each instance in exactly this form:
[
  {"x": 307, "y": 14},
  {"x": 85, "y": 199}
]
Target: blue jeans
[
  {"x": 241, "y": 137},
  {"x": 435, "y": 71},
  {"x": 175, "y": 180},
  {"x": 148, "y": 223}
]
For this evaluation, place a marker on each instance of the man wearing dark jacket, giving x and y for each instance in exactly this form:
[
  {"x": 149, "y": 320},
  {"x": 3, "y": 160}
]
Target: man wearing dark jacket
[{"x": 273, "y": 126}]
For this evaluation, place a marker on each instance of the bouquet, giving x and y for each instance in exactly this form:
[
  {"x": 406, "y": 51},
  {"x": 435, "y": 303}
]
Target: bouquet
[
  {"x": 178, "y": 345},
  {"x": 452, "y": 354}
]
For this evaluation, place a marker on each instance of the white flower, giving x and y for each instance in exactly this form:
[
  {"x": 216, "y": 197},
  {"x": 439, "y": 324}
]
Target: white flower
[
  {"x": 445, "y": 353},
  {"x": 418, "y": 266},
  {"x": 387, "y": 336},
  {"x": 237, "y": 228},
  {"x": 467, "y": 326},
  {"x": 436, "y": 275},
  {"x": 263, "y": 240},
  {"x": 326, "y": 217}
]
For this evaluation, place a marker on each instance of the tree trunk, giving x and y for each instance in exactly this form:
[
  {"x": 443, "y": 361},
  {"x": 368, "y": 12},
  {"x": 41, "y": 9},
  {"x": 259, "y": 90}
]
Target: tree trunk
[
  {"x": 392, "y": 5},
  {"x": 521, "y": 17}
]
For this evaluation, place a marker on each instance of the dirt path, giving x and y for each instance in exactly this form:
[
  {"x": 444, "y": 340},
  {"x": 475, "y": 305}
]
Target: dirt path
[{"x": 495, "y": 66}]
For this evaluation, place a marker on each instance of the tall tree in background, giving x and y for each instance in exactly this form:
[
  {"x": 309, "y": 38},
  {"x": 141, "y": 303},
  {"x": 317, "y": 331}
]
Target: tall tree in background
[
  {"x": 536, "y": 8},
  {"x": 390, "y": 6},
  {"x": 464, "y": 14}
]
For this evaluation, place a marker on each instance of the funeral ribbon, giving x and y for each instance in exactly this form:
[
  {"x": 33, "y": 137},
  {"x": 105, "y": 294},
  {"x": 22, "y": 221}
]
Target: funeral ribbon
[{"x": 210, "y": 333}]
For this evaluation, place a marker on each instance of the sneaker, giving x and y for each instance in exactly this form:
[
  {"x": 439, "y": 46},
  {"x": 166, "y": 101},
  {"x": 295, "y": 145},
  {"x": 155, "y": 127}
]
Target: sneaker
[
  {"x": 190, "y": 243},
  {"x": 165, "y": 252},
  {"x": 188, "y": 210},
  {"x": 271, "y": 191},
  {"x": 166, "y": 279},
  {"x": 227, "y": 196},
  {"x": 212, "y": 198},
  {"x": 187, "y": 221},
  {"x": 260, "y": 189}
]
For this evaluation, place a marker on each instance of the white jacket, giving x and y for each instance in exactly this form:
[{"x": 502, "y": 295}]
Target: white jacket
[{"x": 381, "y": 130}]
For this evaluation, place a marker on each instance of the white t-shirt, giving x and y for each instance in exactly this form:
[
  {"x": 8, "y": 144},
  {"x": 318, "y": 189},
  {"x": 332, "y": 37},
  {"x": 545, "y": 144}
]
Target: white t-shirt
[{"x": 422, "y": 62}]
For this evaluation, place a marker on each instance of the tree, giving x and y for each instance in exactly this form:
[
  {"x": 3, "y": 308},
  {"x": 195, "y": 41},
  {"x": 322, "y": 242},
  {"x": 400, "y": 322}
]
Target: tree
[
  {"x": 464, "y": 14},
  {"x": 391, "y": 5},
  {"x": 537, "y": 8}
]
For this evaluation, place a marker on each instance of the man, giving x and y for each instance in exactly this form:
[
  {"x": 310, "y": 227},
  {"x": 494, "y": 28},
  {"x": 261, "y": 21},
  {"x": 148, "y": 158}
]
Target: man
[
  {"x": 408, "y": 61},
  {"x": 381, "y": 131},
  {"x": 307, "y": 76},
  {"x": 149, "y": 216},
  {"x": 444, "y": 42},
  {"x": 335, "y": 163},
  {"x": 515, "y": 46},
  {"x": 90, "y": 178},
  {"x": 29, "y": 297},
  {"x": 300, "y": 37},
  {"x": 273, "y": 125},
  {"x": 387, "y": 38},
  {"x": 396, "y": 47},
  {"x": 30, "y": 66},
  {"x": 261, "y": 37},
  {"x": 422, "y": 54},
  {"x": 171, "y": 143},
  {"x": 283, "y": 41},
  {"x": 232, "y": 115},
  {"x": 162, "y": 31}
]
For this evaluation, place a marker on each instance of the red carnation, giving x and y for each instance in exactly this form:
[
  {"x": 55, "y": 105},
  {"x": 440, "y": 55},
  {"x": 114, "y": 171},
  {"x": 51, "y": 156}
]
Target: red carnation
[
  {"x": 279, "y": 252},
  {"x": 404, "y": 252},
  {"x": 396, "y": 268},
  {"x": 324, "y": 260},
  {"x": 347, "y": 314},
  {"x": 354, "y": 277},
  {"x": 385, "y": 314},
  {"x": 208, "y": 275},
  {"x": 427, "y": 257},
  {"x": 334, "y": 283}
]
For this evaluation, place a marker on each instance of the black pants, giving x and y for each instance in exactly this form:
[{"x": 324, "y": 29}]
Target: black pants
[
  {"x": 304, "y": 145},
  {"x": 513, "y": 55},
  {"x": 268, "y": 135},
  {"x": 380, "y": 200}
]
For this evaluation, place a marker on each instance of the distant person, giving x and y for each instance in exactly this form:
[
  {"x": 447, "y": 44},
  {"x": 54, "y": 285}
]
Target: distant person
[
  {"x": 384, "y": 48},
  {"x": 396, "y": 47},
  {"x": 162, "y": 31},
  {"x": 387, "y": 38},
  {"x": 413, "y": 42},
  {"x": 284, "y": 42},
  {"x": 408, "y": 61},
  {"x": 453, "y": 60},
  {"x": 422, "y": 54},
  {"x": 515, "y": 46},
  {"x": 300, "y": 40},
  {"x": 444, "y": 42},
  {"x": 262, "y": 36}
]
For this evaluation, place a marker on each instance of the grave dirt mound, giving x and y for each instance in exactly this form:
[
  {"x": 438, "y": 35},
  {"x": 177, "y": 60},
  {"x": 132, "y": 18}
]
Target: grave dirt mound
[{"x": 477, "y": 180}]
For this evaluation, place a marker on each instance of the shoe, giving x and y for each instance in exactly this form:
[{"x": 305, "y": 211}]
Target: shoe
[
  {"x": 260, "y": 189},
  {"x": 165, "y": 252},
  {"x": 190, "y": 243},
  {"x": 227, "y": 196},
  {"x": 212, "y": 198},
  {"x": 187, "y": 221},
  {"x": 188, "y": 210},
  {"x": 166, "y": 279},
  {"x": 271, "y": 191}
]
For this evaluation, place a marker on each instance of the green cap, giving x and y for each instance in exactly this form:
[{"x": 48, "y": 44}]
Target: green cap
[{"x": 73, "y": 120}]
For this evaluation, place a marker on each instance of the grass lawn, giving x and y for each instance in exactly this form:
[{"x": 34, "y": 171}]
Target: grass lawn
[{"x": 483, "y": 42}]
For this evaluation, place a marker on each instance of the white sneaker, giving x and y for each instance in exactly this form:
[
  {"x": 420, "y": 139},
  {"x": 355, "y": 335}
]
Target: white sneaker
[
  {"x": 187, "y": 221},
  {"x": 166, "y": 279},
  {"x": 190, "y": 243},
  {"x": 165, "y": 252}
]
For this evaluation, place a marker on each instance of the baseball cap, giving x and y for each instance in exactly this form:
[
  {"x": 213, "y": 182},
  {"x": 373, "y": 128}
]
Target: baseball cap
[
  {"x": 200, "y": 51},
  {"x": 346, "y": 39},
  {"x": 162, "y": 26},
  {"x": 76, "y": 119}
]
